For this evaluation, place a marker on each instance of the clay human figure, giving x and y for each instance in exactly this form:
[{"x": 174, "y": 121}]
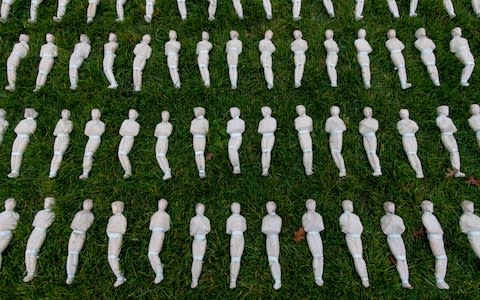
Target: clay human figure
[
  {"x": 203, "y": 49},
  {"x": 149, "y": 8},
  {"x": 233, "y": 50},
  {"x": 470, "y": 225},
  {"x": 42, "y": 221},
  {"x": 212, "y": 9},
  {"x": 335, "y": 127},
  {"x": 80, "y": 53},
  {"x": 351, "y": 225},
  {"x": 172, "y": 47},
  {"x": 61, "y": 9},
  {"x": 395, "y": 46},
  {"x": 312, "y": 223},
  {"x": 94, "y": 129},
  {"x": 33, "y": 10},
  {"x": 5, "y": 10},
  {"x": 116, "y": 228},
  {"x": 267, "y": 127},
  {"x": 459, "y": 46},
  {"x": 92, "y": 10},
  {"x": 266, "y": 48},
  {"x": 329, "y": 7},
  {"x": 19, "y": 52},
  {"x": 435, "y": 238},
  {"x": 392, "y": 6},
  {"x": 473, "y": 121},
  {"x": 235, "y": 128},
  {"x": 235, "y": 227},
  {"x": 367, "y": 128},
  {"x": 393, "y": 227},
  {"x": 199, "y": 228},
  {"x": 162, "y": 131},
  {"x": 182, "y": 9},
  {"x": 447, "y": 129},
  {"x": 48, "y": 53},
  {"x": 142, "y": 53},
  {"x": 267, "y": 7},
  {"x": 159, "y": 225},
  {"x": 359, "y": 4},
  {"x": 119, "y": 7},
  {"x": 237, "y": 5},
  {"x": 271, "y": 227},
  {"x": 109, "y": 58},
  {"x": 296, "y": 7},
  {"x": 476, "y": 7},
  {"x": 62, "y": 138},
  {"x": 426, "y": 47},
  {"x": 332, "y": 56},
  {"x": 363, "y": 50},
  {"x": 81, "y": 222},
  {"x": 199, "y": 129},
  {"x": 128, "y": 130},
  {"x": 3, "y": 124},
  {"x": 299, "y": 46},
  {"x": 8, "y": 223},
  {"x": 304, "y": 126},
  {"x": 24, "y": 129},
  {"x": 407, "y": 128}
]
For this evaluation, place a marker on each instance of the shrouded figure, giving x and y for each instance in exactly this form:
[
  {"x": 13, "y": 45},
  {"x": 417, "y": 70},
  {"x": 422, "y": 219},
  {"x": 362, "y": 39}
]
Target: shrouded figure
[
  {"x": 332, "y": 57},
  {"x": 266, "y": 48},
  {"x": 142, "y": 53},
  {"x": 8, "y": 223},
  {"x": 94, "y": 129},
  {"x": 172, "y": 47},
  {"x": 116, "y": 228},
  {"x": 363, "y": 50},
  {"x": 235, "y": 128},
  {"x": 267, "y": 127},
  {"x": 162, "y": 131},
  {"x": 48, "y": 53},
  {"x": 236, "y": 226},
  {"x": 407, "y": 128},
  {"x": 304, "y": 126},
  {"x": 129, "y": 130},
  {"x": 182, "y": 9},
  {"x": 312, "y": 223},
  {"x": 199, "y": 129},
  {"x": 395, "y": 46},
  {"x": 233, "y": 50},
  {"x": 119, "y": 7},
  {"x": 24, "y": 129},
  {"x": 459, "y": 46},
  {"x": 80, "y": 53},
  {"x": 149, "y": 7},
  {"x": 203, "y": 58},
  {"x": 426, "y": 47},
  {"x": 299, "y": 46},
  {"x": 199, "y": 228},
  {"x": 19, "y": 52},
  {"x": 159, "y": 225},
  {"x": 109, "y": 58},
  {"x": 368, "y": 128},
  {"x": 335, "y": 127},
  {"x": 271, "y": 227},
  {"x": 62, "y": 138}
]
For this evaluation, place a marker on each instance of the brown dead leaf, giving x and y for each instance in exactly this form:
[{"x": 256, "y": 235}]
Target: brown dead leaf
[
  {"x": 451, "y": 173},
  {"x": 209, "y": 156},
  {"x": 299, "y": 235},
  {"x": 472, "y": 180},
  {"x": 392, "y": 260},
  {"x": 418, "y": 233}
]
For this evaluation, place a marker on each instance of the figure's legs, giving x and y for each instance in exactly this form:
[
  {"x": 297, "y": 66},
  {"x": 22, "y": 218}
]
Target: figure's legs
[
  {"x": 413, "y": 8},
  {"x": 91, "y": 11},
  {"x": 475, "y": 244},
  {"x": 120, "y": 12},
  {"x": 5, "y": 11},
  {"x": 19, "y": 146},
  {"x": 199, "y": 144},
  {"x": 154, "y": 248},
  {"x": 433, "y": 72},
  {"x": 359, "y": 9},
  {"x": 402, "y": 74},
  {"x": 73, "y": 74},
  {"x": 466, "y": 73},
  {"x": 174, "y": 76},
  {"x": 149, "y": 7},
  {"x": 235, "y": 258},
  {"x": 60, "y": 146},
  {"x": 392, "y": 6},
  {"x": 316, "y": 248},
  {"x": 11, "y": 76},
  {"x": 475, "y": 6},
  {"x": 354, "y": 245},
  {"x": 415, "y": 163},
  {"x": 233, "y": 75},
  {"x": 366, "y": 76},
  {"x": 336, "y": 152},
  {"x": 33, "y": 11},
  {"x": 137, "y": 80},
  {"x": 62, "y": 7},
  {"x": 441, "y": 260},
  {"x": 237, "y": 5},
  {"x": 449, "y": 8},
  {"x": 198, "y": 251},
  {"x": 332, "y": 75},
  {"x": 329, "y": 7},
  {"x": 267, "y": 6},
  {"x": 267, "y": 146},
  {"x": 41, "y": 79},
  {"x": 35, "y": 241},
  {"x": 114, "y": 247},
  {"x": 4, "y": 241},
  {"x": 397, "y": 247},
  {"x": 205, "y": 75},
  {"x": 182, "y": 9},
  {"x": 296, "y": 7},
  {"x": 212, "y": 8},
  {"x": 233, "y": 146},
  {"x": 110, "y": 77}
]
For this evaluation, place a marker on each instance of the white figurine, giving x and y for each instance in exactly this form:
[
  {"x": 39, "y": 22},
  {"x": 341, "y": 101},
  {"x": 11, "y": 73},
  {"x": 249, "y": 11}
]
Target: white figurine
[
  {"x": 473, "y": 121},
  {"x": 81, "y": 222},
  {"x": 476, "y": 7},
  {"x": 470, "y": 225},
  {"x": 267, "y": 127},
  {"x": 392, "y": 6},
  {"x": 312, "y": 223},
  {"x": 367, "y": 128},
  {"x": 109, "y": 58},
  {"x": 5, "y": 10},
  {"x": 426, "y": 47},
  {"x": 296, "y": 7},
  {"x": 182, "y": 9},
  {"x": 395, "y": 46},
  {"x": 236, "y": 226},
  {"x": 363, "y": 50},
  {"x": 42, "y": 221},
  {"x": 120, "y": 13},
  {"x": 116, "y": 228},
  {"x": 80, "y": 53},
  {"x": 329, "y": 7},
  {"x": 159, "y": 225},
  {"x": 335, "y": 127},
  {"x": 149, "y": 8},
  {"x": 3, "y": 124},
  {"x": 19, "y": 52},
  {"x": 199, "y": 228},
  {"x": 233, "y": 50},
  {"x": 393, "y": 227},
  {"x": 267, "y": 7},
  {"x": 304, "y": 126},
  {"x": 172, "y": 47},
  {"x": 460, "y": 47},
  {"x": 203, "y": 48},
  {"x": 33, "y": 10},
  {"x": 62, "y": 8},
  {"x": 129, "y": 130},
  {"x": 235, "y": 128},
  {"x": 61, "y": 132},
  {"x": 142, "y": 53},
  {"x": 199, "y": 129},
  {"x": 92, "y": 10},
  {"x": 271, "y": 227},
  {"x": 266, "y": 48},
  {"x": 435, "y": 238},
  {"x": 447, "y": 129},
  {"x": 332, "y": 56},
  {"x": 25, "y": 128},
  {"x": 359, "y": 4},
  {"x": 48, "y": 53},
  {"x": 8, "y": 223},
  {"x": 212, "y": 9},
  {"x": 162, "y": 131},
  {"x": 299, "y": 46},
  {"x": 351, "y": 225},
  {"x": 94, "y": 129},
  {"x": 237, "y": 5},
  {"x": 407, "y": 128}
]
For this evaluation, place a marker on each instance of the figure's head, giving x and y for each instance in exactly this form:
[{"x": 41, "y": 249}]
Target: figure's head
[
  {"x": 234, "y": 112},
  {"x": 474, "y": 108},
  {"x": 49, "y": 38},
  {"x": 301, "y": 110},
  {"x": 311, "y": 205},
  {"x": 391, "y": 34},
  {"x": 30, "y": 113},
  {"x": 457, "y": 31},
  {"x": 96, "y": 114},
  {"x": 362, "y": 33},
  {"x": 334, "y": 110},
  {"x": 162, "y": 204},
  {"x": 84, "y": 39},
  {"x": 172, "y": 35},
  {"x": 23, "y": 38},
  {"x": 65, "y": 114},
  {"x": 297, "y": 34},
  {"x": 49, "y": 202},
  {"x": 389, "y": 207},
  {"x": 367, "y": 111},
  {"x": 266, "y": 111},
  {"x": 404, "y": 114},
  {"x": 132, "y": 114},
  {"x": 269, "y": 34},
  {"x": 205, "y": 36},
  {"x": 112, "y": 37},
  {"x": 165, "y": 116},
  {"x": 199, "y": 209},
  {"x": 146, "y": 38},
  {"x": 443, "y": 110},
  {"x": 347, "y": 205},
  {"x": 329, "y": 34},
  {"x": 3, "y": 113},
  {"x": 468, "y": 206},
  {"x": 233, "y": 34},
  {"x": 427, "y": 206},
  {"x": 88, "y": 204},
  {"x": 10, "y": 204},
  {"x": 271, "y": 207},
  {"x": 117, "y": 207},
  {"x": 420, "y": 33},
  {"x": 199, "y": 111},
  {"x": 235, "y": 208}
]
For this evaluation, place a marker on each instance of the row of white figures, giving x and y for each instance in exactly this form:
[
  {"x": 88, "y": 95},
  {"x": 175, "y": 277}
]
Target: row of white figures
[{"x": 392, "y": 226}]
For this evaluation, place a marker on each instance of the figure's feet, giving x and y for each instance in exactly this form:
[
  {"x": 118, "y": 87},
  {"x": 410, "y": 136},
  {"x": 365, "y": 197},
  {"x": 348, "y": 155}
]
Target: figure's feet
[
  {"x": 119, "y": 20},
  {"x": 396, "y": 16},
  {"x": 308, "y": 172},
  {"x": 73, "y": 87},
  {"x": 148, "y": 19},
  {"x": 464, "y": 83},
  {"x": 10, "y": 88},
  {"x": 452, "y": 16},
  {"x": 413, "y": 14},
  {"x": 270, "y": 86},
  {"x": 28, "y": 278},
  {"x": 407, "y": 285},
  {"x": 3, "y": 20},
  {"x": 83, "y": 176},
  {"x": 167, "y": 176},
  {"x": 52, "y": 175},
  {"x": 333, "y": 84},
  {"x": 319, "y": 281},
  {"x": 367, "y": 85},
  {"x": 443, "y": 285},
  {"x": 420, "y": 175},
  {"x": 177, "y": 85},
  {"x": 240, "y": 17},
  {"x": 297, "y": 18},
  {"x": 69, "y": 280},
  {"x": 194, "y": 283},
  {"x": 13, "y": 175},
  {"x": 113, "y": 86},
  {"x": 459, "y": 174},
  {"x": 377, "y": 173},
  {"x": 234, "y": 86},
  {"x": 184, "y": 18},
  {"x": 236, "y": 170},
  {"x": 277, "y": 285},
  {"x": 120, "y": 280},
  {"x": 342, "y": 173},
  {"x": 202, "y": 174},
  {"x": 233, "y": 284},
  {"x": 158, "y": 278},
  {"x": 331, "y": 14},
  {"x": 436, "y": 82},
  {"x": 36, "y": 89},
  {"x": 406, "y": 85},
  {"x": 57, "y": 19},
  {"x": 137, "y": 89},
  {"x": 269, "y": 17},
  {"x": 211, "y": 18},
  {"x": 298, "y": 84},
  {"x": 127, "y": 174},
  {"x": 207, "y": 84},
  {"x": 358, "y": 18},
  {"x": 265, "y": 172},
  {"x": 365, "y": 283},
  {"x": 89, "y": 20},
  {"x": 32, "y": 21}
]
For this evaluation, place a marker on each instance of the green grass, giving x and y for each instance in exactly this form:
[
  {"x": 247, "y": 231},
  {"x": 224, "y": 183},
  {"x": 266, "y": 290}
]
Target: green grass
[{"x": 287, "y": 185}]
